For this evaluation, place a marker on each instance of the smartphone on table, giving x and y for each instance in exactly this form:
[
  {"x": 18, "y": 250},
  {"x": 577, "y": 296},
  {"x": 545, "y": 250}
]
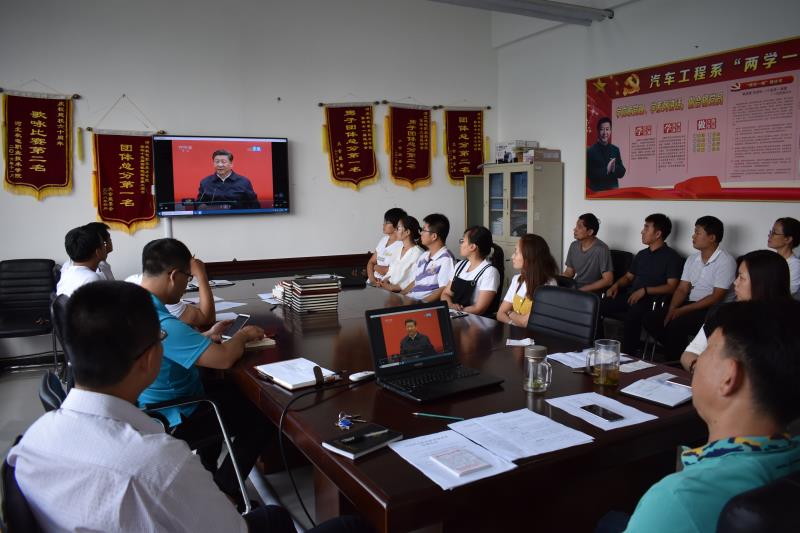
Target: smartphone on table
[
  {"x": 235, "y": 326},
  {"x": 603, "y": 413}
]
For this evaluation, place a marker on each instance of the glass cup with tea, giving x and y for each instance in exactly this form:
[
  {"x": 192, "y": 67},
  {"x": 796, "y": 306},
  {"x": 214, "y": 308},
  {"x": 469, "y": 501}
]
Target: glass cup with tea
[{"x": 602, "y": 362}]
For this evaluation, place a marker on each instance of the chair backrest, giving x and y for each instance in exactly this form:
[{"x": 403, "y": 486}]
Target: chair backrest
[
  {"x": 26, "y": 284},
  {"x": 58, "y": 315},
  {"x": 51, "y": 391},
  {"x": 765, "y": 509},
  {"x": 16, "y": 511},
  {"x": 621, "y": 261},
  {"x": 496, "y": 258},
  {"x": 564, "y": 281},
  {"x": 565, "y": 313}
]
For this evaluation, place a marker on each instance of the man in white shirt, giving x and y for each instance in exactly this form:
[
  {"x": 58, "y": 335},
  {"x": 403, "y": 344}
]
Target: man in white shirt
[
  {"x": 706, "y": 279},
  {"x": 435, "y": 267},
  {"x": 99, "y": 463},
  {"x": 103, "y": 268},
  {"x": 86, "y": 250}
]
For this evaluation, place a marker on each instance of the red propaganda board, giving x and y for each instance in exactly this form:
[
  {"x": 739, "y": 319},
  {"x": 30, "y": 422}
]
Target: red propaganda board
[{"x": 719, "y": 127}]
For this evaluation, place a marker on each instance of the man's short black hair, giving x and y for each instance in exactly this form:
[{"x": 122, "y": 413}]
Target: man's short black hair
[
  {"x": 108, "y": 325},
  {"x": 222, "y": 152},
  {"x": 411, "y": 320},
  {"x": 712, "y": 226},
  {"x": 660, "y": 223},
  {"x": 590, "y": 222},
  {"x": 163, "y": 255},
  {"x": 602, "y": 121},
  {"x": 101, "y": 228},
  {"x": 762, "y": 336},
  {"x": 438, "y": 224},
  {"x": 394, "y": 215},
  {"x": 81, "y": 243}
]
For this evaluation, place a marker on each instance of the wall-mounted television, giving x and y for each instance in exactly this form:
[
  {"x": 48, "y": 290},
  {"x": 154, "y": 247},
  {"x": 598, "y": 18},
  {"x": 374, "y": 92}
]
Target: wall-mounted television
[{"x": 220, "y": 175}]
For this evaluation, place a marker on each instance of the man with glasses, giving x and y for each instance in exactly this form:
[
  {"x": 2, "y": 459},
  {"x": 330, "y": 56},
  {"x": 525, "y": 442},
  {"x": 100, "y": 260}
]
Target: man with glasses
[
  {"x": 165, "y": 267},
  {"x": 434, "y": 268}
]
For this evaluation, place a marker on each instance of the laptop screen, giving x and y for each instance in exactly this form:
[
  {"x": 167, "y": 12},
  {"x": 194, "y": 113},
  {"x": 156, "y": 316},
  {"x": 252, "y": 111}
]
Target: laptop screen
[{"x": 410, "y": 336}]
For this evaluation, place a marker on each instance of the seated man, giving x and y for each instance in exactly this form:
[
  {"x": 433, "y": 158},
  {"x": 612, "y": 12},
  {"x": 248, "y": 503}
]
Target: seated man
[
  {"x": 654, "y": 272},
  {"x": 101, "y": 464},
  {"x": 745, "y": 389},
  {"x": 204, "y": 313},
  {"x": 435, "y": 267},
  {"x": 86, "y": 250},
  {"x": 165, "y": 264},
  {"x": 225, "y": 188},
  {"x": 707, "y": 277},
  {"x": 415, "y": 343},
  {"x": 104, "y": 269},
  {"x": 589, "y": 259}
]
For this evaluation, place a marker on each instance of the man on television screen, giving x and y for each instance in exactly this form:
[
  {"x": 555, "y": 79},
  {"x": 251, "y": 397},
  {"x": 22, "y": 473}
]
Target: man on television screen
[
  {"x": 415, "y": 343},
  {"x": 604, "y": 166},
  {"x": 225, "y": 188}
]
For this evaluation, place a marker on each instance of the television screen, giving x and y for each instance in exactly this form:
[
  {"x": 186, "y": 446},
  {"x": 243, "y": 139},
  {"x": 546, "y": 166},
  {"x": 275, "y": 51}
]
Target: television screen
[{"x": 220, "y": 175}]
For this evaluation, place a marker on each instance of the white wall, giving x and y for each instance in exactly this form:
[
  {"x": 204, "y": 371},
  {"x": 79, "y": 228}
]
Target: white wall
[
  {"x": 541, "y": 95},
  {"x": 218, "y": 68}
]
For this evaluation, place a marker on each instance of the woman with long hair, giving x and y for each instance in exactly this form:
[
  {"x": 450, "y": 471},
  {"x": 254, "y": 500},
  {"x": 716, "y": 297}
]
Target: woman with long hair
[
  {"x": 762, "y": 275},
  {"x": 475, "y": 280},
  {"x": 401, "y": 271},
  {"x": 784, "y": 237},
  {"x": 536, "y": 266}
]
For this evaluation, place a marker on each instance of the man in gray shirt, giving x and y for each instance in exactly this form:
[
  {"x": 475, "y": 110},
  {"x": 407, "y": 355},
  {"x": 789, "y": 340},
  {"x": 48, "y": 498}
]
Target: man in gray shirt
[{"x": 588, "y": 258}]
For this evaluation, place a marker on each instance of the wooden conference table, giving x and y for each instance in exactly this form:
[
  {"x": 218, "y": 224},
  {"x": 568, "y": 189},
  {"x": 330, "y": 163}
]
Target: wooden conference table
[{"x": 567, "y": 490}]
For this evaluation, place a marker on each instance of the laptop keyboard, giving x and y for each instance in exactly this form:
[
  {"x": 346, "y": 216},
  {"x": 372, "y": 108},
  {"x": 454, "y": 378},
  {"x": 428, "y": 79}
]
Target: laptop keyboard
[{"x": 410, "y": 383}]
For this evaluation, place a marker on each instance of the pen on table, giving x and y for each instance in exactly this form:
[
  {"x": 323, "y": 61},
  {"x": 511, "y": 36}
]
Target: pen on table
[
  {"x": 355, "y": 438},
  {"x": 433, "y": 415}
]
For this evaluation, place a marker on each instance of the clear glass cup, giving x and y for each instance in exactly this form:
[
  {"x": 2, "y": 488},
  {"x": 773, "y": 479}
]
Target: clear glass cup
[
  {"x": 538, "y": 372},
  {"x": 602, "y": 362}
]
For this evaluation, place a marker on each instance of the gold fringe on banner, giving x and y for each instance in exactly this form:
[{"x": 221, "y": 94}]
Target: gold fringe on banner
[
  {"x": 79, "y": 141},
  {"x": 387, "y": 134},
  {"x": 326, "y": 149},
  {"x": 434, "y": 139},
  {"x": 133, "y": 228}
]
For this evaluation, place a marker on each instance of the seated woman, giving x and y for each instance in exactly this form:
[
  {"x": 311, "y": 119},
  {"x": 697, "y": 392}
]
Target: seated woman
[
  {"x": 536, "y": 267},
  {"x": 762, "y": 275},
  {"x": 401, "y": 271},
  {"x": 783, "y": 238},
  {"x": 475, "y": 281}
]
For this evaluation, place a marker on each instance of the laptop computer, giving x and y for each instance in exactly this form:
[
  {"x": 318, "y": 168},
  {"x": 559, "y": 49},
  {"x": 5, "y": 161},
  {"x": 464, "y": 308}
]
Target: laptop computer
[{"x": 414, "y": 354}]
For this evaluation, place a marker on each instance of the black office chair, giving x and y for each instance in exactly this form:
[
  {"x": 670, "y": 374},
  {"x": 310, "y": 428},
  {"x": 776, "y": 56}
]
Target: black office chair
[
  {"x": 17, "y": 514},
  {"x": 58, "y": 312},
  {"x": 51, "y": 391},
  {"x": 497, "y": 260},
  {"x": 621, "y": 262},
  {"x": 25, "y": 289},
  {"x": 567, "y": 283},
  {"x": 565, "y": 313},
  {"x": 767, "y": 509}
]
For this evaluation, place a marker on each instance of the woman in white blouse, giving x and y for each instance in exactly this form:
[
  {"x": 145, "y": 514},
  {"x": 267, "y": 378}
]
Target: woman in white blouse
[
  {"x": 762, "y": 275},
  {"x": 536, "y": 266},
  {"x": 401, "y": 271},
  {"x": 784, "y": 237},
  {"x": 475, "y": 281}
]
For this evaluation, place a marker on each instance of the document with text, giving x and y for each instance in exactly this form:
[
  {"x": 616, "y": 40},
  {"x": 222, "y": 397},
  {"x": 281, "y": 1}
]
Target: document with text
[{"x": 577, "y": 405}]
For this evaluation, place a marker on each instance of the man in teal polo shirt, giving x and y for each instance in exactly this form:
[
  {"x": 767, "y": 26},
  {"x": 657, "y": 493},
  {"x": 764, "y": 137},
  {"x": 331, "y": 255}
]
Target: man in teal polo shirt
[
  {"x": 745, "y": 387},
  {"x": 165, "y": 267}
]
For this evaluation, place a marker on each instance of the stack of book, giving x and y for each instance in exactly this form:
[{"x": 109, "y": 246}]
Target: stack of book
[{"x": 313, "y": 294}]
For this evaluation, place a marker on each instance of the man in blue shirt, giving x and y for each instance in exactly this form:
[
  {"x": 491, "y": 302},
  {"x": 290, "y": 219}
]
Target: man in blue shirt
[
  {"x": 225, "y": 188},
  {"x": 745, "y": 389},
  {"x": 165, "y": 267}
]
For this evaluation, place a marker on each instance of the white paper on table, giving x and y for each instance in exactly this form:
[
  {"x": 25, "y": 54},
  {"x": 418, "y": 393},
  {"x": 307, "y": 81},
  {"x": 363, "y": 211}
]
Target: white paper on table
[
  {"x": 196, "y": 300},
  {"x": 224, "y": 306},
  {"x": 226, "y": 316},
  {"x": 519, "y": 434},
  {"x": 657, "y": 389},
  {"x": 418, "y": 452},
  {"x": 634, "y": 366},
  {"x": 267, "y": 297},
  {"x": 520, "y": 342},
  {"x": 572, "y": 405},
  {"x": 578, "y": 359}
]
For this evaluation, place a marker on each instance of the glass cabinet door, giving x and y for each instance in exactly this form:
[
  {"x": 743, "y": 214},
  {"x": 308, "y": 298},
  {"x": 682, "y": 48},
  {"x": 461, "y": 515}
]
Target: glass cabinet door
[
  {"x": 496, "y": 216},
  {"x": 519, "y": 204}
]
